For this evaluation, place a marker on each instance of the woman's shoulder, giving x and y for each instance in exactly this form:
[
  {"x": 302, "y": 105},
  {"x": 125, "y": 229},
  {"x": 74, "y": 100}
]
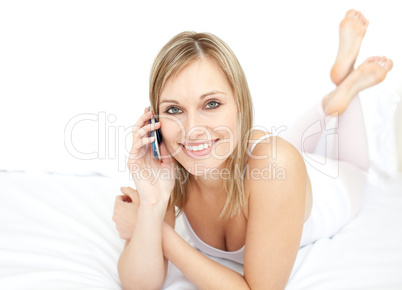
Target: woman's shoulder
[
  {"x": 268, "y": 144},
  {"x": 269, "y": 150},
  {"x": 272, "y": 153},
  {"x": 272, "y": 159},
  {"x": 256, "y": 134}
]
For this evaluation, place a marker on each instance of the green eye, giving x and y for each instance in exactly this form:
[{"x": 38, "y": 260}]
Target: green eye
[
  {"x": 214, "y": 106},
  {"x": 210, "y": 106},
  {"x": 172, "y": 110}
]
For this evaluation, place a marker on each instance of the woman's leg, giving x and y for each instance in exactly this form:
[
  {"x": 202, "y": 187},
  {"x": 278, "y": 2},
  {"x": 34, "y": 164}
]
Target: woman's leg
[
  {"x": 351, "y": 32},
  {"x": 314, "y": 125},
  {"x": 342, "y": 108},
  {"x": 342, "y": 105}
]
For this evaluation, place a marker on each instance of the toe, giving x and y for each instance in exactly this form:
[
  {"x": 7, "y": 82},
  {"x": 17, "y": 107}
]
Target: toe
[
  {"x": 364, "y": 20},
  {"x": 371, "y": 59},
  {"x": 388, "y": 64},
  {"x": 351, "y": 12}
]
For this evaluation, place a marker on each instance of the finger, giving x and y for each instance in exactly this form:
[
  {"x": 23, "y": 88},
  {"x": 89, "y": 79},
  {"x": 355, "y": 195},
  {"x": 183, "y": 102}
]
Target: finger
[
  {"x": 131, "y": 192},
  {"x": 144, "y": 118},
  {"x": 141, "y": 132},
  {"x": 123, "y": 198},
  {"x": 127, "y": 198},
  {"x": 167, "y": 158},
  {"x": 141, "y": 137},
  {"x": 137, "y": 132},
  {"x": 139, "y": 144},
  {"x": 117, "y": 202}
]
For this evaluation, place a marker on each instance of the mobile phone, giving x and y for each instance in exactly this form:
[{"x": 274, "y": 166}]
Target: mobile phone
[{"x": 158, "y": 139}]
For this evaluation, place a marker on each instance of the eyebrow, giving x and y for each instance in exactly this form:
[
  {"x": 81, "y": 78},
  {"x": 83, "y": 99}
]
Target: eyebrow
[{"x": 201, "y": 97}]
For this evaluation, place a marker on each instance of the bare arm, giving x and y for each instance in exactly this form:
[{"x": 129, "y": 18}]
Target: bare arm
[
  {"x": 204, "y": 272},
  {"x": 125, "y": 216},
  {"x": 131, "y": 258},
  {"x": 276, "y": 216},
  {"x": 142, "y": 263}
]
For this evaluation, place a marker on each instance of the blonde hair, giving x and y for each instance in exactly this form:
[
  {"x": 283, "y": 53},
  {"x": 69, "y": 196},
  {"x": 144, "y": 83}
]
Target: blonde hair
[{"x": 179, "y": 52}]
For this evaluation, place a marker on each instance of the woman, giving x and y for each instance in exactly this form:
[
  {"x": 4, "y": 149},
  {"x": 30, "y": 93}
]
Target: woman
[{"x": 213, "y": 167}]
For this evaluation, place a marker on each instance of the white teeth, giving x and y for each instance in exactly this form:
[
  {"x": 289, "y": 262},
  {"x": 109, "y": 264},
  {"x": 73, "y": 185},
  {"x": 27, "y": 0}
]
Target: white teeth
[{"x": 200, "y": 147}]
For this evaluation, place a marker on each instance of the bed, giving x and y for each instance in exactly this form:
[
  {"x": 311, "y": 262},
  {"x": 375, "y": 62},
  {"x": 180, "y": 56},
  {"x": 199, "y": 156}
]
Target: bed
[{"x": 56, "y": 232}]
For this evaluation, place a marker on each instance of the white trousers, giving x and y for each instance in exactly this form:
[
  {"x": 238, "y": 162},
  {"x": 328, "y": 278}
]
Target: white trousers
[{"x": 336, "y": 155}]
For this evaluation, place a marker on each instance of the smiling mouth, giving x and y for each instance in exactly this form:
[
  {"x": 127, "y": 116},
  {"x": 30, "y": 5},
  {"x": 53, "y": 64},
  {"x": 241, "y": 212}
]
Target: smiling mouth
[{"x": 200, "y": 147}]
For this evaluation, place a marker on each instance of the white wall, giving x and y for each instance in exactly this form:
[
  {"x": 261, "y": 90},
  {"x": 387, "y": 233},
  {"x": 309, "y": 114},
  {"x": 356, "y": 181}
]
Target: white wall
[{"x": 61, "y": 60}]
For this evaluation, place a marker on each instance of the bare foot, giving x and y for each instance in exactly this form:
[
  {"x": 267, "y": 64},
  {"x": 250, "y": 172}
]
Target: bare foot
[
  {"x": 351, "y": 32},
  {"x": 370, "y": 73}
]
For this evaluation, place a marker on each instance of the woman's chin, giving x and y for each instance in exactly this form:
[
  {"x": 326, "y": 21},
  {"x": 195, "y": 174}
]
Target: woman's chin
[{"x": 205, "y": 168}]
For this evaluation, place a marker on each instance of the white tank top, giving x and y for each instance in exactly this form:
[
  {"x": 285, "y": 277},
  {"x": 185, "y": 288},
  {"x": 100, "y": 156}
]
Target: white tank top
[{"x": 237, "y": 256}]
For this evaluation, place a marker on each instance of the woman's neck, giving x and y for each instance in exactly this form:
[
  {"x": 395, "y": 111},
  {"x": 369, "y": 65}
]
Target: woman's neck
[{"x": 207, "y": 187}]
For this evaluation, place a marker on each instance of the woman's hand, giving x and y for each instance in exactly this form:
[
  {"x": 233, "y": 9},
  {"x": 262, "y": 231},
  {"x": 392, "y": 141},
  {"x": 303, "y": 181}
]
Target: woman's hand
[
  {"x": 125, "y": 212},
  {"x": 154, "y": 179}
]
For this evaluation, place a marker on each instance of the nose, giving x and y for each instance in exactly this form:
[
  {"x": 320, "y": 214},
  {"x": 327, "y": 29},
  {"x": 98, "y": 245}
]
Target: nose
[{"x": 196, "y": 127}]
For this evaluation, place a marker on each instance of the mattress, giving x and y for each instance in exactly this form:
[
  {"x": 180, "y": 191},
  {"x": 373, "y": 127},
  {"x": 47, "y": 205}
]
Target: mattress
[{"x": 56, "y": 232}]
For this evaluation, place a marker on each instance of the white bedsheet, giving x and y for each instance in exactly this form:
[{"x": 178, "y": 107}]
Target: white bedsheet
[{"x": 56, "y": 232}]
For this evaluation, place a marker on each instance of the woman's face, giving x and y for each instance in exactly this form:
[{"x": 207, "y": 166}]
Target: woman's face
[{"x": 197, "y": 109}]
